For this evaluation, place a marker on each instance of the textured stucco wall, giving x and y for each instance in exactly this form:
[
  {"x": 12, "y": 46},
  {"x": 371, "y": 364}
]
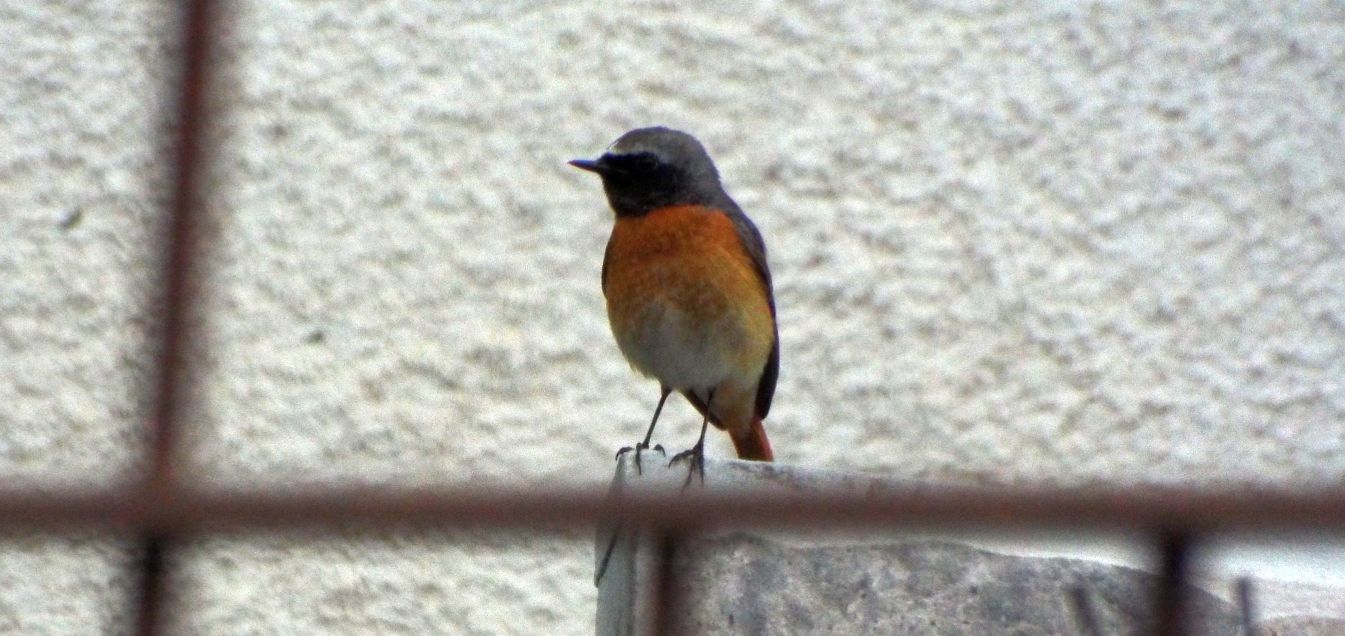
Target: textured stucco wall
[{"x": 1073, "y": 243}]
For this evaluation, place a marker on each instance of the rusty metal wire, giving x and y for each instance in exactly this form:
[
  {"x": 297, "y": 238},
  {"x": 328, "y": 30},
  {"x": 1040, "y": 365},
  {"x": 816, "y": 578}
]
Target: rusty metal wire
[
  {"x": 150, "y": 604},
  {"x": 1170, "y": 595},
  {"x": 1187, "y": 511},
  {"x": 1085, "y": 615},
  {"x": 178, "y": 285},
  {"x": 1242, "y": 591},
  {"x": 163, "y": 513}
]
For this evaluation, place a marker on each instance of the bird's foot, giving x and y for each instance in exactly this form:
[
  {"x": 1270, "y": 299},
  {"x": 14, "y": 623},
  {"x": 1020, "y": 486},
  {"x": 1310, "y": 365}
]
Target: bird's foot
[
  {"x": 638, "y": 448},
  {"x": 696, "y": 456}
]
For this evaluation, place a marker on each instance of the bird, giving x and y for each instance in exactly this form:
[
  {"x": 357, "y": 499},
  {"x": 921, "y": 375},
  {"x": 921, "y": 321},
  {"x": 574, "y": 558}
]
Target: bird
[{"x": 688, "y": 289}]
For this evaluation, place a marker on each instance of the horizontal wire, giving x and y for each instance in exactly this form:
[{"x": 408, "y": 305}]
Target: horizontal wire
[{"x": 187, "y": 511}]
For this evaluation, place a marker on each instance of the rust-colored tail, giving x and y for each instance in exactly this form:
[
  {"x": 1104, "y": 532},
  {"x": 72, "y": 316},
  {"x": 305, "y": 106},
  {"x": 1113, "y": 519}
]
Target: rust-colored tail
[{"x": 752, "y": 444}]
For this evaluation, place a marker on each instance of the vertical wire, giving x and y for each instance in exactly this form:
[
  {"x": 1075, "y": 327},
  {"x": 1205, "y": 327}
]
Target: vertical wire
[
  {"x": 1171, "y": 601},
  {"x": 179, "y": 246}
]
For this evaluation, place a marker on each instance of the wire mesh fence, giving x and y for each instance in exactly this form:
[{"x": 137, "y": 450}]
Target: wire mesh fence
[{"x": 162, "y": 511}]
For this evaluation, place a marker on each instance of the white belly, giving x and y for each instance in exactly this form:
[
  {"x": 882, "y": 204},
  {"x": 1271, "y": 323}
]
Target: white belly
[{"x": 667, "y": 347}]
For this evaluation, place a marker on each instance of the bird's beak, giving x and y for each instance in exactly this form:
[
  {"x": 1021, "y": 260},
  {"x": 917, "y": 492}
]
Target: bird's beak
[{"x": 589, "y": 165}]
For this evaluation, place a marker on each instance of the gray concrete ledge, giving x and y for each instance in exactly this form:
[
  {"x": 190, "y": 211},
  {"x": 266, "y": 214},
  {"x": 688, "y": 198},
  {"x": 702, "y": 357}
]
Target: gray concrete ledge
[{"x": 775, "y": 582}]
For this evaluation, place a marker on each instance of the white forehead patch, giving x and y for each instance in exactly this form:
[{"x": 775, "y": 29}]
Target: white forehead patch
[{"x": 629, "y": 147}]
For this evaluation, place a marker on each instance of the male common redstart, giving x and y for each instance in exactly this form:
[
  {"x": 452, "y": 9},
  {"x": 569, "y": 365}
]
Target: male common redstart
[{"x": 688, "y": 290}]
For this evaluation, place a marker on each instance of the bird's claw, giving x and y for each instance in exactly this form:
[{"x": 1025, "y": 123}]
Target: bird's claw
[
  {"x": 638, "y": 448},
  {"x": 696, "y": 455}
]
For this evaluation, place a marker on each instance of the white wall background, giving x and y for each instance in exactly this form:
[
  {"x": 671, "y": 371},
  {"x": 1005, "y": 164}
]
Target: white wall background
[{"x": 1064, "y": 243}]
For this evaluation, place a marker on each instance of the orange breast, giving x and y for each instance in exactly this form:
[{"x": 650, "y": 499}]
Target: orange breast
[{"x": 679, "y": 283}]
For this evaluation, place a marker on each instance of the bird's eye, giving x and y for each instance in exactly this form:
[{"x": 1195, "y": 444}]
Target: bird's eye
[{"x": 646, "y": 162}]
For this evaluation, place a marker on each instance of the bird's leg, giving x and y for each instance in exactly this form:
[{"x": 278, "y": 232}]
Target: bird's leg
[
  {"x": 648, "y": 434},
  {"x": 697, "y": 453}
]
